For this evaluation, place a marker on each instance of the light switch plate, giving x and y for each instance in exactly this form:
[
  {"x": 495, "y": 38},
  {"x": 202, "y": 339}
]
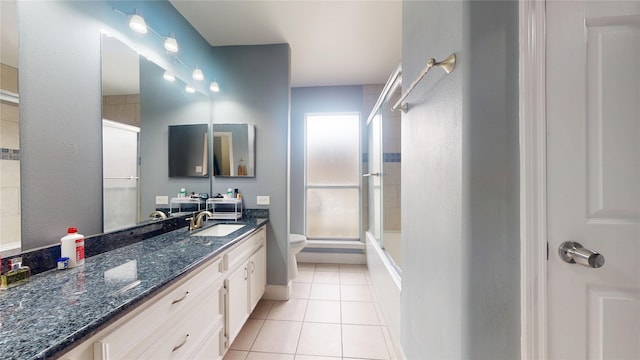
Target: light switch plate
[
  {"x": 263, "y": 200},
  {"x": 162, "y": 200}
]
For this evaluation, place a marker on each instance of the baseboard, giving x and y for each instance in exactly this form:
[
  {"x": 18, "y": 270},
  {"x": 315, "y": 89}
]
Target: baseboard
[
  {"x": 277, "y": 292},
  {"x": 331, "y": 258}
]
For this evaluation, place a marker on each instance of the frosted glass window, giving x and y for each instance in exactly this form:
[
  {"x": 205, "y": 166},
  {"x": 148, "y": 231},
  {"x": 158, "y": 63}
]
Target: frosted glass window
[
  {"x": 333, "y": 145},
  {"x": 333, "y": 177},
  {"x": 333, "y": 213}
]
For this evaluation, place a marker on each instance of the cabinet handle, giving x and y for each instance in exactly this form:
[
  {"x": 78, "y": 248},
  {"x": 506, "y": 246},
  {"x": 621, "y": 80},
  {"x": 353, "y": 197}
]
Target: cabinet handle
[
  {"x": 184, "y": 341},
  {"x": 181, "y": 298}
]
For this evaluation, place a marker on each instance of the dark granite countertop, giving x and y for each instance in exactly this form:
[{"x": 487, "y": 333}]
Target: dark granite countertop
[{"x": 45, "y": 317}]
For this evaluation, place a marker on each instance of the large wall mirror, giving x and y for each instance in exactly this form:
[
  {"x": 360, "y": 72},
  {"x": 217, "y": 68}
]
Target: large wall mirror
[
  {"x": 140, "y": 108},
  {"x": 10, "y": 218},
  {"x": 120, "y": 134},
  {"x": 133, "y": 91},
  {"x": 234, "y": 150}
]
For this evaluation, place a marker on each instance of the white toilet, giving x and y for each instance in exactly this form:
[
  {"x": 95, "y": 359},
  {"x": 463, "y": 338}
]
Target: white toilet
[{"x": 297, "y": 242}]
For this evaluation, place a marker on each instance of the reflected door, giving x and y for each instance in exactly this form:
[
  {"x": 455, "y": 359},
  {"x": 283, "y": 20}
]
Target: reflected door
[
  {"x": 374, "y": 178},
  {"x": 120, "y": 172}
]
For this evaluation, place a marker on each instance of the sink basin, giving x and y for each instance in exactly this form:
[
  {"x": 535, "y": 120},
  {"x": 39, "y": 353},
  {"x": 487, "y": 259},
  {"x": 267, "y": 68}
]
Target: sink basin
[{"x": 219, "y": 230}]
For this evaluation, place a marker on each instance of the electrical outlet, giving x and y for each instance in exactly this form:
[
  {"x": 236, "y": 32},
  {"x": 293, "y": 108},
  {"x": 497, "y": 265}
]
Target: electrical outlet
[
  {"x": 162, "y": 200},
  {"x": 263, "y": 200}
]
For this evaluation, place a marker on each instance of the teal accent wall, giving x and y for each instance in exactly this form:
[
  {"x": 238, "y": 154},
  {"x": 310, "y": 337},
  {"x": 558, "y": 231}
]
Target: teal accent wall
[{"x": 60, "y": 113}]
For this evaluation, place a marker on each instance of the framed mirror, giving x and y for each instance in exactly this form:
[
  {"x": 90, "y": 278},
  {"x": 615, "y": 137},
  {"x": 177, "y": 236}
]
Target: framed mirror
[{"x": 234, "y": 150}]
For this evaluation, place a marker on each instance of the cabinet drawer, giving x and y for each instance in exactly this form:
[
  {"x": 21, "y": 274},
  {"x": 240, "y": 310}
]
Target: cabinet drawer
[
  {"x": 187, "y": 331},
  {"x": 241, "y": 252},
  {"x": 213, "y": 348},
  {"x": 135, "y": 335}
]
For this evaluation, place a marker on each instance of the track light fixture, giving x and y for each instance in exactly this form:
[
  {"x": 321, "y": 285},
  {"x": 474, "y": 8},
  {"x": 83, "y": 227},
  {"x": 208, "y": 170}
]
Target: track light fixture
[
  {"x": 137, "y": 23},
  {"x": 197, "y": 74},
  {"x": 214, "y": 87},
  {"x": 171, "y": 44},
  {"x": 169, "y": 76}
]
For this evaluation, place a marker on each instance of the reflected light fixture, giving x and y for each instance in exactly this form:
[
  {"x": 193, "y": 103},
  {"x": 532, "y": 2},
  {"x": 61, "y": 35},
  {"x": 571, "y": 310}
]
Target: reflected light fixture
[
  {"x": 171, "y": 44},
  {"x": 197, "y": 74},
  {"x": 214, "y": 87},
  {"x": 189, "y": 89},
  {"x": 169, "y": 76},
  {"x": 137, "y": 24}
]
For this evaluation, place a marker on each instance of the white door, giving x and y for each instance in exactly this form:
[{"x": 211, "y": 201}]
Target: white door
[{"x": 593, "y": 178}]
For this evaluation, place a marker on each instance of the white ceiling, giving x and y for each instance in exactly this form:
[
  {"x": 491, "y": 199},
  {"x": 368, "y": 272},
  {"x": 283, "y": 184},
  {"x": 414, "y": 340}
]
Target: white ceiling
[
  {"x": 337, "y": 42},
  {"x": 333, "y": 42}
]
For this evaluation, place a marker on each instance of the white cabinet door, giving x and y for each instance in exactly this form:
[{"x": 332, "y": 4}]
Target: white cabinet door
[
  {"x": 237, "y": 300},
  {"x": 258, "y": 276},
  {"x": 213, "y": 348}
]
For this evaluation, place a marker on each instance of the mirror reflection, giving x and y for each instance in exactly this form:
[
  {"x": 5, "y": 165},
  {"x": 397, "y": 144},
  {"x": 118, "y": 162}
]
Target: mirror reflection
[
  {"x": 120, "y": 134},
  {"x": 10, "y": 218},
  {"x": 188, "y": 150},
  {"x": 234, "y": 150},
  {"x": 139, "y": 108}
]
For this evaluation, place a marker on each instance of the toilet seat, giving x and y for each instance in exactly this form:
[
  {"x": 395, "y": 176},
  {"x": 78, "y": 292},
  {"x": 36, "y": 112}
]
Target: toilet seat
[{"x": 297, "y": 238}]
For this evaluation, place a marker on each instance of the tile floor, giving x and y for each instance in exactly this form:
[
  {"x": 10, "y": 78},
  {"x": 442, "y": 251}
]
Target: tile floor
[{"x": 332, "y": 314}]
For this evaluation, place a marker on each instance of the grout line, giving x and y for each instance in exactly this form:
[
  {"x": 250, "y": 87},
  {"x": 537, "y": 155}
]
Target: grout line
[
  {"x": 382, "y": 327},
  {"x": 255, "y": 338}
]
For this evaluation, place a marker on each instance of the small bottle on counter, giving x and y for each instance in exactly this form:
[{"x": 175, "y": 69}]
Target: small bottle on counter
[
  {"x": 72, "y": 247},
  {"x": 16, "y": 275}
]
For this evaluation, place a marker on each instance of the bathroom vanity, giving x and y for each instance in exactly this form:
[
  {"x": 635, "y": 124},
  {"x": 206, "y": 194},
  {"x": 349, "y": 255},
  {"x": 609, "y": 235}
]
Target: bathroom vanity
[{"x": 176, "y": 295}]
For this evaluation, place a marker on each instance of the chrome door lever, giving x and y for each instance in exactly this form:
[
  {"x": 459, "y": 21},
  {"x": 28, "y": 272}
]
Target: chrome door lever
[
  {"x": 374, "y": 174},
  {"x": 574, "y": 253}
]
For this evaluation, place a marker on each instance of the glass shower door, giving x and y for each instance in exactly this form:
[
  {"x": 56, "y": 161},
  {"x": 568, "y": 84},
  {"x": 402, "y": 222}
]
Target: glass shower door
[
  {"x": 384, "y": 173},
  {"x": 374, "y": 178}
]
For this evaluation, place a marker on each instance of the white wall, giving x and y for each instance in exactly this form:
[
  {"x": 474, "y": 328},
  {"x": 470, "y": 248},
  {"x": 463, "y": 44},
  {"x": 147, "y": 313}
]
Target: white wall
[{"x": 460, "y": 273}]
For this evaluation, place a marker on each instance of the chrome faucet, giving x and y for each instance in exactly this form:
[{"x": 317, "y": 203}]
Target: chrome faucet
[
  {"x": 195, "y": 222},
  {"x": 158, "y": 215},
  {"x": 200, "y": 216}
]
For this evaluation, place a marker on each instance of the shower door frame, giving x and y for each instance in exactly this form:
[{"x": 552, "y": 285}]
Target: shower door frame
[{"x": 394, "y": 83}]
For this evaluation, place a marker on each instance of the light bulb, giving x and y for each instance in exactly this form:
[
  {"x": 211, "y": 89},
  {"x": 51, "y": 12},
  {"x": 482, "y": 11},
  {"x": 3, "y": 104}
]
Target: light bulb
[
  {"x": 214, "y": 87},
  {"x": 169, "y": 76},
  {"x": 137, "y": 24},
  {"x": 189, "y": 89},
  {"x": 197, "y": 74},
  {"x": 171, "y": 44}
]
